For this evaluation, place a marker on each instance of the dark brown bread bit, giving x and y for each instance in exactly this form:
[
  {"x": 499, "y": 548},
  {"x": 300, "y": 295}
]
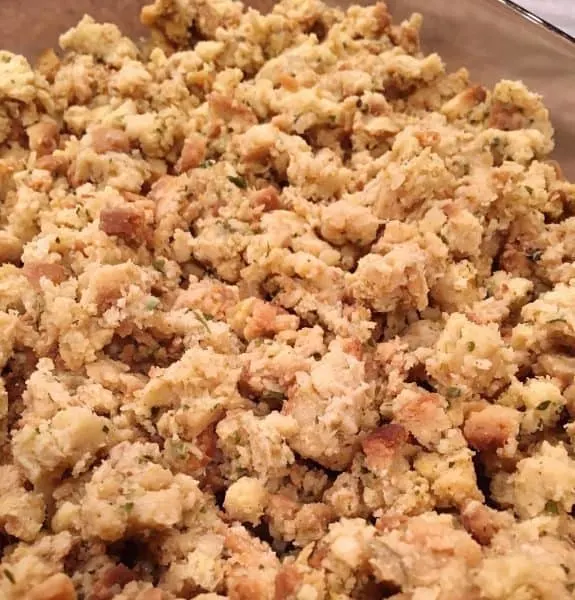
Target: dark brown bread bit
[{"x": 127, "y": 222}]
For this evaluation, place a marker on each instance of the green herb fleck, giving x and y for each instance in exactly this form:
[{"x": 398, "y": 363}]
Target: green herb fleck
[
  {"x": 551, "y": 507},
  {"x": 105, "y": 429},
  {"x": 544, "y": 405},
  {"x": 179, "y": 448},
  {"x": 128, "y": 506},
  {"x": 210, "y": 162},
  {"x": 9, "y": 576},
  {"x": 453, "y": 392},
  {"x": 159, "y": 264},
  {"x": 152, "y": 303},
  {"x": 238, "y": 181},
  {"x": 202, "y": 319},
  {"x": 471, "y": 346}
]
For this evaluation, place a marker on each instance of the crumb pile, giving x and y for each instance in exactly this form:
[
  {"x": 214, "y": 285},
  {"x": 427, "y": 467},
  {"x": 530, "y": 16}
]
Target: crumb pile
[{"x": 287, "y": 313}]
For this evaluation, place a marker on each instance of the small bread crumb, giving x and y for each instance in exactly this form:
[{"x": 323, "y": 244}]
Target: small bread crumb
[{"x": 245, "y": 500}]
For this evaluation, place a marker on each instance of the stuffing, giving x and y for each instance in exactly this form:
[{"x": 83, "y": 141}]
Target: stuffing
[
  {"x": 470, "y": 358},
  {"x": 533, "y": 558},
  {"x": 395, "y": 280},
  {"x": 428, "y": 552},
  {"x": 245, "y": 500},
  {"x": 538, "y": 400},
  {"x": 541, "y": 482},
  {"x": 423, "y": 415},
  {"x": 27, "y": 567},
  {"x": 125, "y": 494},
  {"x": 21, "y": 511},
  {"x": 256, "y": 444},
  {"x": 287, "y": 313},
  {"x": 493, "y": 428},
  {"x": 330, "y": 405},
  {"x": 69, "y": 440}
]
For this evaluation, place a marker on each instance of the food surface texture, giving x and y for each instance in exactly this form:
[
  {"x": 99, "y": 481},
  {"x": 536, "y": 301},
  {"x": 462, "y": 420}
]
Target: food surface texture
[{"x": 287, "y": 312}]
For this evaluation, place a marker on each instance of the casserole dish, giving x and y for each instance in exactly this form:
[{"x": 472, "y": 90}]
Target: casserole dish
[
  {"x": 287, "y": 311},
  {"x": 492, "y": 38}
]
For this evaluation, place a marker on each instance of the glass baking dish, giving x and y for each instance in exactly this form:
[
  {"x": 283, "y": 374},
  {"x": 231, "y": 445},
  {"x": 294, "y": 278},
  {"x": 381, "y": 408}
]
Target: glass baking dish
[{"x": 494, "y": 39}]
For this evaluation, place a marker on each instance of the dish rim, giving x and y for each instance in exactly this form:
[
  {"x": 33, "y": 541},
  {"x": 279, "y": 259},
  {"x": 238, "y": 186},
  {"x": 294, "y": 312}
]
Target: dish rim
[{"x": 538, "y": 21}]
